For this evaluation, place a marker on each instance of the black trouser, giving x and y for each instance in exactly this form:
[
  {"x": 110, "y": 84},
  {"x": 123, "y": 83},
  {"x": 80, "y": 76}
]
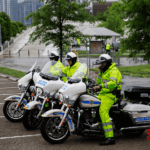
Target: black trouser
[{"x": 107, "y": 51}]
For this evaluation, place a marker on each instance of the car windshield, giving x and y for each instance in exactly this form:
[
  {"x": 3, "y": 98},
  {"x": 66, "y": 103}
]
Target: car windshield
[
  {"x": 81, "y": 72},
  {"x": 51, "y": 69}
]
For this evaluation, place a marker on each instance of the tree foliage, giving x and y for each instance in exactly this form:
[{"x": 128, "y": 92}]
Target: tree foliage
[
  {"x": 50, "y": 22},
  {"x": 14, "y": 29},
  {"x": 112, "y": 18},
  {"x": 21, "y": 26},
  {"x": 5, "y": 26},
  {"x": 137, "y": 13}
]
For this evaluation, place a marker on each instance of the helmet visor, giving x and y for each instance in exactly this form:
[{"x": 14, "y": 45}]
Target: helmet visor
[
  {"x": 52, "y": 55},
  {"x": 68, "y": 58}
]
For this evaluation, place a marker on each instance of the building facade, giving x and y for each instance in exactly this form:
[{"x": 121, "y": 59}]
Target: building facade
[
  {"x": 10, "y": 7},
  {"x": 27, "y": 7},
  {"x": 18, "y": 11},
  {"x": 100, "y": 7}
]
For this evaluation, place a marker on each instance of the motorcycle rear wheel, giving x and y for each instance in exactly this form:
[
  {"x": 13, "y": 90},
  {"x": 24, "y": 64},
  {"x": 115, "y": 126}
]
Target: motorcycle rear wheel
[
  {"x": 51, "y": 134},
  {"x": 30, "y": 122},
  {"x": 11, "y": 114},
  {"x": 133, "y": 133}
]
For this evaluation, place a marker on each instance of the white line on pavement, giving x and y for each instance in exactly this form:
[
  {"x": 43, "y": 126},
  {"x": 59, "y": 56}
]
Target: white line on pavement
[
  {"x": 1, "y": 103},
  {"x": 2, "y": 116},
  {"x": 10, "y": 94},
  {"x": 9, "y": 88},
  {"x": 8, "y": 83},
  {"x": 19, "y": 136}
]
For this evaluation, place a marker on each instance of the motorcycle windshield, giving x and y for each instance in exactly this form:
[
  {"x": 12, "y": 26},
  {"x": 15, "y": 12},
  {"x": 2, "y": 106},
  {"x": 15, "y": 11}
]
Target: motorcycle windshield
[
  {"x": 33, "y": 66},
  {"x": 51, "y": 69},
  {"x": 81, "y": 72}
]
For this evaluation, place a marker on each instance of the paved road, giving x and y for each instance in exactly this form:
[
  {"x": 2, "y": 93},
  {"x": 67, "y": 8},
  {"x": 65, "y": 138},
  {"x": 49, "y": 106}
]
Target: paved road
[{"x": 13, "y": 136}]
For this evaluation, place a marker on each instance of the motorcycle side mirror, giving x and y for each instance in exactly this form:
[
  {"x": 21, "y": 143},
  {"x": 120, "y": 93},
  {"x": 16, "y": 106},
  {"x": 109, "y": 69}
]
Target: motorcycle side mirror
[
  {"x": 84, "y": 80},
  {"x": 38, "y": 69},
  {"x": 60, "y": 76}
]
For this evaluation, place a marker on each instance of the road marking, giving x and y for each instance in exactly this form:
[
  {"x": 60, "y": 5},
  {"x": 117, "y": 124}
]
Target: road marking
[
  {"x": 19, "y": 136},
  {"x": 9, "y": 88},
  {"x": 1, "y": 103},
  {"x": 10, "y": 94},
  {"x": 2, "y": 116},
  {"x": 8, "y": 83}
]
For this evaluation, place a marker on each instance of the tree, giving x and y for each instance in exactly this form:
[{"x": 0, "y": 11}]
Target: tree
[
  {"x": 49, "y": 21},
  {"x": 21, "y": 26},
  {"x": 114, "y": 19},
  {"x": 15, "y": 28},
  {"x": 5, "y": 26},
  {"x": 138, "y": 19}
]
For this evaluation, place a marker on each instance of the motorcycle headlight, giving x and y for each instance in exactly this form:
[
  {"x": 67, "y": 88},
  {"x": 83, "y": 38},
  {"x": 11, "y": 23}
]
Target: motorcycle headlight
[
  {"x": 56, "y": 96},
  {"x": 32, "y": 89},
  {"x": 66, "y": 98},
  {"x": 61, "y": 98},
  {"x": 39, "y": 91}
]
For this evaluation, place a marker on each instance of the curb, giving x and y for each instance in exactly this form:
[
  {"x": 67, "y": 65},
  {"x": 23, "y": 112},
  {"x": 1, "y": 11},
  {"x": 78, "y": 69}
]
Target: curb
[{"x": 9, "y": 77}]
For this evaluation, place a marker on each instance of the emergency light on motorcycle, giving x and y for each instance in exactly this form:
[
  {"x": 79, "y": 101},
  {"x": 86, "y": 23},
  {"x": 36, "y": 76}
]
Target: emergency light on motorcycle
[{"x": 19, "y": 86}]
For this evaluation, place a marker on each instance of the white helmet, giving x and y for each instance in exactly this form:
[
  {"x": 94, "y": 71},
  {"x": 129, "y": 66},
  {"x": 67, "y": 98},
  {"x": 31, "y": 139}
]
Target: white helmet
[
  {"x": 105, "y": 58},
  {"x": 54, "y": 54},
  {"x": 71, "y": 56}
]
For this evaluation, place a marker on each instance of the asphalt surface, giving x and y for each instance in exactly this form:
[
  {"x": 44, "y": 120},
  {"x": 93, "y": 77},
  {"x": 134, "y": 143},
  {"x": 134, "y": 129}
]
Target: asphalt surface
[{"x": 13, "y": 136}]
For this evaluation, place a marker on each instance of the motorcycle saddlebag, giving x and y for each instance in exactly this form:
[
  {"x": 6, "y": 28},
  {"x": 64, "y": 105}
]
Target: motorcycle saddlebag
[{"x": 137, "y": 93}]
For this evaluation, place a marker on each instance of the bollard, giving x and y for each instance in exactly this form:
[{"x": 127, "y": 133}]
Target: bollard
[
  {"x": 19, "y": 53},
  {"x": 9, "y": 52},
  {"x": 28, "y": 52},
  {"x": 38, "y": 53}
]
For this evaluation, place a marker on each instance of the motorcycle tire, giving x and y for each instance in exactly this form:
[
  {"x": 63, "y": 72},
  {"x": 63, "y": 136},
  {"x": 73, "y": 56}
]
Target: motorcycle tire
[
  {"x": 50, "y": 123},
  {"x": 30, "y": 122},
  {"x": 133, "y": 133},
  {"x": 10, "y": 106}
]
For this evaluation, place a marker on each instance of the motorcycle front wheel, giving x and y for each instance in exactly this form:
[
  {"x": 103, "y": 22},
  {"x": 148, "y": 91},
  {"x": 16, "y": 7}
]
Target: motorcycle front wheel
[
  {"x": 11, "y": 114},
  {"x": 30, "y": 120},
  {"x": 50, "y": 132}
]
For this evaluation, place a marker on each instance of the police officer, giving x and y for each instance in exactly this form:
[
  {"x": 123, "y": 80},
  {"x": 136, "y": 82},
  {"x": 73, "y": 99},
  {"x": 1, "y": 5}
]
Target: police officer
[
  {"x": 108, "y": 48},
  {"x": 109, "y": 82},
  {"x": 57, "y": 66},
  {"x": 72, "y": 67}
]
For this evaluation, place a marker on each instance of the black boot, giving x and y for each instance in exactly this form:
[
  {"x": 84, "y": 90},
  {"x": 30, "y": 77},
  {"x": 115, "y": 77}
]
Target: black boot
[{"x": 108, "y": 141}]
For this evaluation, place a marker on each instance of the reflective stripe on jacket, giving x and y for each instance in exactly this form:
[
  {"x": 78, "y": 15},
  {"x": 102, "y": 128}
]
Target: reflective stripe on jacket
[{"x": 110, "y": 79}]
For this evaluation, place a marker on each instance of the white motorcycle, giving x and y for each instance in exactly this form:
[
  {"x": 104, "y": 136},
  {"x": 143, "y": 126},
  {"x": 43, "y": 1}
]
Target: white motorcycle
[
  {"x": 80, "y": 115},
  {"x": 46, "y": 85},
  {"x": 13, "y": 108}
]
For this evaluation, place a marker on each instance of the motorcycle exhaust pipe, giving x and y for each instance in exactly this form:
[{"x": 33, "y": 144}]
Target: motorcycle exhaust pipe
[{"x": 135, "y": 128}]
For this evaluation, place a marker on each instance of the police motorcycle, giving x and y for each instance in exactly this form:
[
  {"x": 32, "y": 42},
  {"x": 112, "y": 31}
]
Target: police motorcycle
[
  {"x": 46, "y": 86},
  {"x": 13, "y": 108},
  {"x": 79, "y": 115}
]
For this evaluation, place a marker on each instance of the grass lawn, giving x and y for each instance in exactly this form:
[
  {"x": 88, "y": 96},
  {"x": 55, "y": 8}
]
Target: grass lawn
[
  {"x": 136, "y": 71},
  {"x": 12, "y": 72},
  {"x": 81, "y": 52}
]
